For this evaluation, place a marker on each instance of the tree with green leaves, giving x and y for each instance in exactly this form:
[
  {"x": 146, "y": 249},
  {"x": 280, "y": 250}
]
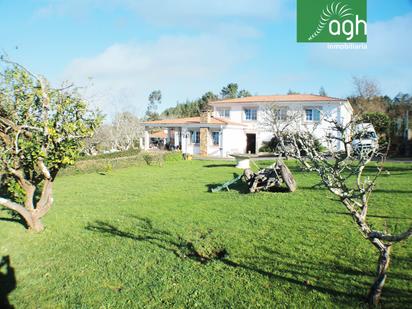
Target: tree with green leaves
[
  {"x": 380, "y": 121},
  {"x": 42, "y": 130},
  {"x": 290, "y": 91},
  {"x": 155, "y": 99},
  {"x": 244, "y": 93},
  {"x": 205, "y": 99},
  {"x": 230, "y": 91},
  {"x": 191, "y": 108},
  {"x": 322, "y": 92}
]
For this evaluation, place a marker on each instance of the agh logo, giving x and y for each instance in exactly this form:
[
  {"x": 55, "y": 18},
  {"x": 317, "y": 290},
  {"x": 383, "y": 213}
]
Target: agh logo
[{"x": 332, "y": 21}]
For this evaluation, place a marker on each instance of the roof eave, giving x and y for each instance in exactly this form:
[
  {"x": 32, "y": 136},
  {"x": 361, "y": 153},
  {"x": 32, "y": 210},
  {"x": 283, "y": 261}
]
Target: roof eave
[
  {"x": 192, "y": 125},
  {"x": 273, "y": 102}
]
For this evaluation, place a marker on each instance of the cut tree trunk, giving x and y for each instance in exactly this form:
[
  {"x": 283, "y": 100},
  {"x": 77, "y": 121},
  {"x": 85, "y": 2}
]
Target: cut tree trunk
[
  {"x": 287, "y": 177},
  {"x": 377, "y": 287}
]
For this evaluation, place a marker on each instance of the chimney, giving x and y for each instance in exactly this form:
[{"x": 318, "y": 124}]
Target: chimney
[{"x": 205, "y": 116}]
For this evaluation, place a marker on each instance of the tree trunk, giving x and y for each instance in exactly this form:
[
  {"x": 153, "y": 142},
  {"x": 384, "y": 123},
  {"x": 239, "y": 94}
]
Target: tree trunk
[
  {"x": 36, "y": 225},
  {"x": 46, "y": 199},
  {"x": 383, "y": 264},
  {"x": 31, "y": 219}
]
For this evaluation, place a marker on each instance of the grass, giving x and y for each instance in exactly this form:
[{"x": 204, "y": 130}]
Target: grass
[{"x": 141, "y": 237}]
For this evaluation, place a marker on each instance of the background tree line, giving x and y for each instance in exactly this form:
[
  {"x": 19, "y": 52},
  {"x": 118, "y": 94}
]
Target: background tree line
[{"x": 193, "y": 108}]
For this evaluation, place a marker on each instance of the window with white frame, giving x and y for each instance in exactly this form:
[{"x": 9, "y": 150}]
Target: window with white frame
[
  {"x": 195, "y": 137},
  {"x": 223, "y": 112},
  {"x": 250, "y": 114},
  {"x": 215, "y": 138},
  {"x": 312, "y": 114},
  {"x": 281, "y": 113}
]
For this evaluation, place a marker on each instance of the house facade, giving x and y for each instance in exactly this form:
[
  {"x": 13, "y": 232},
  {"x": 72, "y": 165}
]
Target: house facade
[{"x": 236, "y": 125}]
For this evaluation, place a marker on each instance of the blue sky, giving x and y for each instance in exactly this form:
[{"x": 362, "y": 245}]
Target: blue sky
[{"x": 123, "y": 49}]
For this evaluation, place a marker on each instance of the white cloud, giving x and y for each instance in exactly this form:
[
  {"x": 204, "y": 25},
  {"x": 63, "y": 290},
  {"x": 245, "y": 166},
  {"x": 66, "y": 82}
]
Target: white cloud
[
  {"x": 124, "y": 74},
  {"x": 181, "y": 66},
  {"x": 200, "y": 11},
  {"x": 173, "y": 12},
  {"x": 387, "y": 59}
]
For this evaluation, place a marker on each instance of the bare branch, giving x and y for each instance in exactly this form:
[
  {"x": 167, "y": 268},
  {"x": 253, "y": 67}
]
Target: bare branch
[{"x": 392, "y": 238}]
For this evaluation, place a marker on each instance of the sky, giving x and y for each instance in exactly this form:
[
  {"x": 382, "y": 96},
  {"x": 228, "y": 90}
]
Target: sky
[{"x": 118, "y": 51}]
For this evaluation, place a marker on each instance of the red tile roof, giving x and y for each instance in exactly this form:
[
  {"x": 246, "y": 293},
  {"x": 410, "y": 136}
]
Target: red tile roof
[
  {"x": 193, "y": 120},
  {"x": 158, "y": 134},
  {"x": 279, "y": 98}
]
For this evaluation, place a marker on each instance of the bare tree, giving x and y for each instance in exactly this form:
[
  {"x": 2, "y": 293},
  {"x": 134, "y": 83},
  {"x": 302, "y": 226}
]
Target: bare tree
[
  {"x": 365, "y": 88},
  {"x": 344, "y": 175},
  {"x": 366, "y": 97},
  {"x": 126, "y": 130},
  {"x": 122, "y": 134},
  {"x": 101, "y": 140},
  {"x": 283, "y": 122}
]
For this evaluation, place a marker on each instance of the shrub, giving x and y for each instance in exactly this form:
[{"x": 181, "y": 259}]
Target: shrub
[
  {"x": 274, "y": 145},
  {"x": 153, "y": 158},
  {"x": 104, "y": 164},
  {"x": 380, "y": 121},
  {"x": 112, "y": 155},
  {"x": 173, "y": 156}
]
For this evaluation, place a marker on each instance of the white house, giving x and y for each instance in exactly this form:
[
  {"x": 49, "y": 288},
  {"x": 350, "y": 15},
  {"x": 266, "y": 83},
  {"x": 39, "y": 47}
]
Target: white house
[{"x": 235, "y": 125}]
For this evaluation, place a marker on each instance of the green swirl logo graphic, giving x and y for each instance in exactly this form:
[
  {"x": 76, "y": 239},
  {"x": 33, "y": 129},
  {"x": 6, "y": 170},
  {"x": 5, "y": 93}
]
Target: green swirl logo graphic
[{"x": 336, "y": 10}]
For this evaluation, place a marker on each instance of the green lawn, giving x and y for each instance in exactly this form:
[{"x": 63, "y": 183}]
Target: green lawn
[{"x": 129, "y": 239}]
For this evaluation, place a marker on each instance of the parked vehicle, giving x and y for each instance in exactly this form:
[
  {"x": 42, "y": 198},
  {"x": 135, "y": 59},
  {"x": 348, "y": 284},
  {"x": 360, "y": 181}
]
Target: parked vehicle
[{"x": 365, "y": 138}]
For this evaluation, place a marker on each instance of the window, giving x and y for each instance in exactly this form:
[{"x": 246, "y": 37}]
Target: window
[
  {"x": 195, "y": 137},
  {"x": 312, "y": 114},
  {"x": 309, "y": 114},
  {"x": 282, "y": 114},
  {"x": 223, "y": 112},
  {"x": 215, "y": 138},
  {"x": 251, "y": 114}
]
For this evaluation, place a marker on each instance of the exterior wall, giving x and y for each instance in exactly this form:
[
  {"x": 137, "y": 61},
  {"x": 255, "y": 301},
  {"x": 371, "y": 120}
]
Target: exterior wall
[
  {"x": 196, "y": 149},
  {"x": 233, "y": 141},
  {"x": 215, "y": 150},
  {"x": 340, "y": 111}
]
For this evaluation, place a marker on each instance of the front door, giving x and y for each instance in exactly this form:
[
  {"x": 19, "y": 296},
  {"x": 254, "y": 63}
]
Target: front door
[{"x": 250, "y": 143}]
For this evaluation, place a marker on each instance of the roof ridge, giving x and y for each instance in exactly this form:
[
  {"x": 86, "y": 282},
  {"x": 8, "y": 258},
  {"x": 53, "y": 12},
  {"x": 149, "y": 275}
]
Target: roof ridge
[{"x": 280, "y": 98}]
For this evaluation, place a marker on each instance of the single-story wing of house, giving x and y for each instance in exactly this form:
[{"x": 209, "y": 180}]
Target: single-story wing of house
[{"x": 235, "y": 125}]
